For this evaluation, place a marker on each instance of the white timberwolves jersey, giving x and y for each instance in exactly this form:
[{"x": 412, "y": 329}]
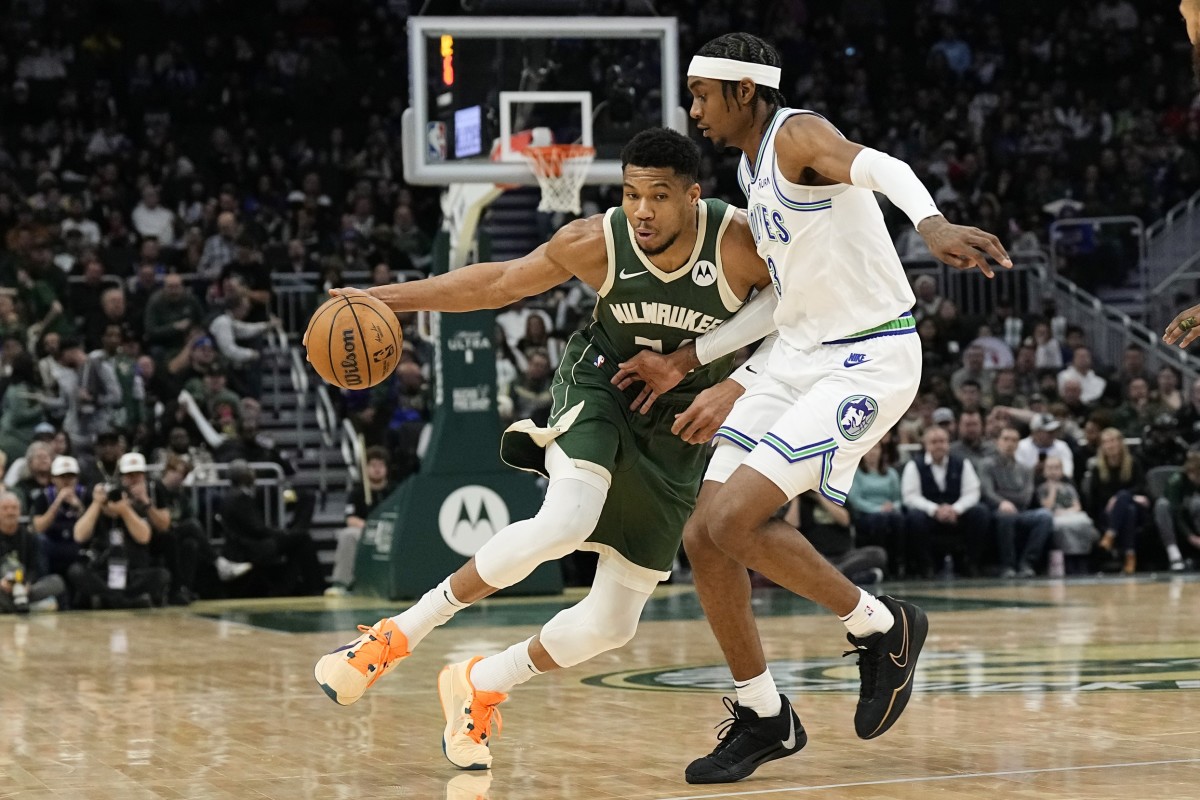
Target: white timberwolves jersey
[{"x": 831, "y": 260}]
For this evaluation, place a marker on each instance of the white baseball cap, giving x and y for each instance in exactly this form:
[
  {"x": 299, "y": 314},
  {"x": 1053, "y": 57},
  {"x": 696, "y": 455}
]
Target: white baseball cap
[
  {"x": 64, "y": 465},
  {"x": 131, "y": 462}
]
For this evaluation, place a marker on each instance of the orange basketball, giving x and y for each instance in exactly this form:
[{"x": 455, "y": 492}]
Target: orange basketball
[{"x": 354, "y": 342}]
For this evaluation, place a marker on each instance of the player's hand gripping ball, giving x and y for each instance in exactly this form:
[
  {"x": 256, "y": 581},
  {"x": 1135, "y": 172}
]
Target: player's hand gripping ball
[{"x": 353, "y": 340}]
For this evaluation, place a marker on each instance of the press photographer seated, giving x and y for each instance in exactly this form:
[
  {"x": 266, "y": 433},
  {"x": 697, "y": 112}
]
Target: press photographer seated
[{"x": 116, "y": 539}]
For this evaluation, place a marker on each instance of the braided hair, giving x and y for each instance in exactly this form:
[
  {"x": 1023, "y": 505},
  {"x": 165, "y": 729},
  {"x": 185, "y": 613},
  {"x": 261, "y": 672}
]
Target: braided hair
[{"x": 751, "y": 49}]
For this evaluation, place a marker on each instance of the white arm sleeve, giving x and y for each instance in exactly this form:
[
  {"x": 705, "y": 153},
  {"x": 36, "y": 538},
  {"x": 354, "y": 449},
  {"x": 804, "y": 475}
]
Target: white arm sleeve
[
  {"x": 756, "y": 364},
  {"x": 891, "y": 177},
  {"x": 752, "y": 322}
]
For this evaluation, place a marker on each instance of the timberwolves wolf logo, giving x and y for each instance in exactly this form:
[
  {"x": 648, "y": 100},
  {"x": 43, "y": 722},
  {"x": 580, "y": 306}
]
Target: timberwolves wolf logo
[
  {"x": 856, "y": 414},
  {"x": 469, "y": 517},
  {"x": 704, "y": 273}
]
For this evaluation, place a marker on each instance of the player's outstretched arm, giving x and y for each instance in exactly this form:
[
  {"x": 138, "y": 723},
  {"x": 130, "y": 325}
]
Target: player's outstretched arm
[
  {"x": 572, "y": 251},
  {"x": 810, "y": 142},
  {"x": 1185, "y": 328}
]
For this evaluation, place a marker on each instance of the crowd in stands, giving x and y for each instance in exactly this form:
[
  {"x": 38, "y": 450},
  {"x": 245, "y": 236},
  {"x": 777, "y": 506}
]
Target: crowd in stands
[{"x": 167, "y": 169}]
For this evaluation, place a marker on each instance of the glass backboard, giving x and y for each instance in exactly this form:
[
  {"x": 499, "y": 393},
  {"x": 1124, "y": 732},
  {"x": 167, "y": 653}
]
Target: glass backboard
[{"x": 480, "y": 85}]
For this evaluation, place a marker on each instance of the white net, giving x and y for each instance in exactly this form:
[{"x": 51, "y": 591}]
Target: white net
[{"x": 560, "y": 170}]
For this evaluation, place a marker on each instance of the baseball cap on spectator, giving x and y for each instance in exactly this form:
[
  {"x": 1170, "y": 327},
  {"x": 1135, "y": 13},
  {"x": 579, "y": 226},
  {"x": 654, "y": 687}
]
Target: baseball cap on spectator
[
  {"x": 131, "y": 462},
  {"x": 44, "y": 427},
  {"x": 1044, "y": 422},
  {"x": 943, "y": 416},
  {"x": 47, "y": 178},
  {"x": 64, "y": 465},
  {"x": 204, "y": 341}
]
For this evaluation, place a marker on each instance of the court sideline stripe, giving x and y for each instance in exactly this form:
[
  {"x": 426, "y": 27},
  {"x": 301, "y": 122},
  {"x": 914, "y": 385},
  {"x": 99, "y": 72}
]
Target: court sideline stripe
[{"x": 934, "y": 778}]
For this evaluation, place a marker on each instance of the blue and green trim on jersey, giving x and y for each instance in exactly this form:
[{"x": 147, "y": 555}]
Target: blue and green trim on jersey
[{"x": 904, "y": 324}]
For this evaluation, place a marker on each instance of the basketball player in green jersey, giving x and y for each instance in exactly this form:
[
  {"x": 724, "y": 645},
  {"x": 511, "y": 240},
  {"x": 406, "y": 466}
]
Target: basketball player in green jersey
[
  {"x": 667, "y": 267},
  {"x": 1185, "y": 328}
]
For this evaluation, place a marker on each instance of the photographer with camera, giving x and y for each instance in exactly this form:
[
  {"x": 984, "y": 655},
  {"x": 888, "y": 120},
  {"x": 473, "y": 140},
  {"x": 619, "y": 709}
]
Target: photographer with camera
[
  {"x": 25, "y": 584},
  {"x": 117, "y": 573},
  {"x": 55, "y": 512}
]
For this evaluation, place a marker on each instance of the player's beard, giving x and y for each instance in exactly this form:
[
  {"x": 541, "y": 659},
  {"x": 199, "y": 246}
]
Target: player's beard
[{"x": 660, "y": 249}]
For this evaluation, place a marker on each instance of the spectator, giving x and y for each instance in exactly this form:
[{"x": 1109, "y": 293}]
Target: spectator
[
  {"x": 1007, "y": 489},
  {"x": 178, "y": 538},
  {"x": 1071, "y": 397},
  {"x": 231, "y": 327},
  {"x": 25, "y": 582},
  {"x": 38, "y": 461},
  {"x": 248, "y": 274},
  {"x": 1115, "y": 498},
  {"x": 171, "y": 314},
  {"x": 1042, "y": 442},
  {"x": 972, "y": 369},
  {"x": 112, "y": 311},
  {"x": 942, "y": 511},
  {"x": 970, "y": 396},
  {"x": 117, "y": 573},
  {"x": 1138, "y": 410},
  {"x": 875, "y": 503},
  {"x": 1048, "y": 352},
  {"x": 1004, "y": 390},
  {"x": 826, "y": 525},
  {"x": 970, "y": 444},
  {"x": 22, "y": 409},
  {"x": 219, "y": 248},
  {"x": 1189, "y": 416},
  {"x": 362, "y": 502},
  {"x": 531, "y": 393},
  {"x": 102, "y": 385},
  {"x": 1074, "y": 533},
  {"x": 77, "y": 220},
  {"x": 1177, "y": 514},
  {"x": 108, "y": 449},
  {"x": 1162, "y": 446},
  {"x": 54, "y": 513},
  {"x": 151, "y": 220},
  {"x": 929, "y": 302},
  {"x": 1166, "y": 390},
  {"x": 1081, "y": 370},
  {"x": 290, "y": 556}
]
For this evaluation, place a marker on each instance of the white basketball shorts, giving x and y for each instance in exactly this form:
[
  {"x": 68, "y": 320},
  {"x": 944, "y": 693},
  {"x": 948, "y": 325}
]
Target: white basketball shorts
[{"x": 807, "y": 421}]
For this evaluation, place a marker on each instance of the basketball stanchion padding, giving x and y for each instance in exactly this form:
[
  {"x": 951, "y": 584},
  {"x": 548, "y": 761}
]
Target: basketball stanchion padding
[
  {"x": 560, "y": 170},
  {"x": 353, "y": 341}
]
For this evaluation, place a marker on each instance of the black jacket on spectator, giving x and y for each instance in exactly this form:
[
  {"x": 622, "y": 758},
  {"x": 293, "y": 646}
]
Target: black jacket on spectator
[
  {"x": 929, "y": 487},
  {"x": 1096, "y": 491}
]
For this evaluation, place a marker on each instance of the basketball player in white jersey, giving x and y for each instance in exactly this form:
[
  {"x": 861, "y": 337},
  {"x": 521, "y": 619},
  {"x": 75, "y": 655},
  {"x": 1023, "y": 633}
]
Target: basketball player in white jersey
[
  {"x": 1185, "y": 328},
  {"x": 844, "y": 369}
]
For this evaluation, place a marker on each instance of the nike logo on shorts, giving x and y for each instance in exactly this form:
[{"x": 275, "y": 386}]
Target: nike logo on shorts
[{"x": 854, "y": 359}]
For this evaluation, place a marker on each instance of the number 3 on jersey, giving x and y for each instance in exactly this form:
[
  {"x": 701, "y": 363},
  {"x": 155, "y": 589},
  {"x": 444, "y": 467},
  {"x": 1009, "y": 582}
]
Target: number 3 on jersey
[{"x": 774, "y": 277}]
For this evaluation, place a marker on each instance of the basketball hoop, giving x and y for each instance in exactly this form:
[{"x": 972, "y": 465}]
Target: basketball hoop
[{"x": 560, "y": 170}]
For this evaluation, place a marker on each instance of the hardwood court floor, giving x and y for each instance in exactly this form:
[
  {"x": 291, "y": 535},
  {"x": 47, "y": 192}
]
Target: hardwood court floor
[{"x": 1040, "y": 690}]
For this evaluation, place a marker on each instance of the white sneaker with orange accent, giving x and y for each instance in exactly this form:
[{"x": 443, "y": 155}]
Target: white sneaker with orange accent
[
  {"x": 347, "y": 672},
  {"x": 470, "y": 715}
]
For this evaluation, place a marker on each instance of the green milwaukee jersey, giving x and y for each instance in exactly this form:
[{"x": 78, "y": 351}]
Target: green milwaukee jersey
[{"x": 640, "y": 306}]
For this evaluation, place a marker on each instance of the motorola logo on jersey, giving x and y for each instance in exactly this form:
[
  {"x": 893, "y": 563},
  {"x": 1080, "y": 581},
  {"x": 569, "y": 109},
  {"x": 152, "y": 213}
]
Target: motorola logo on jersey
[
  {"x": 768, "y": 223},
  {"x": 704, "y": 273},
  {"x": 469, "y": 517}
]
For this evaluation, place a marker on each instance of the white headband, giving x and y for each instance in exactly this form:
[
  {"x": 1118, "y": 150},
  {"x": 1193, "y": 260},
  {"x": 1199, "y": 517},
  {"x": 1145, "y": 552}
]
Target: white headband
[{"x": 727, "y": 69}]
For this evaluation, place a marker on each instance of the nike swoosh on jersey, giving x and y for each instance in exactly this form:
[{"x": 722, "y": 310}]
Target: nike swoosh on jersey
[
  {"x": 790, "y": 742},
  {"x": 625, "y": 274}
]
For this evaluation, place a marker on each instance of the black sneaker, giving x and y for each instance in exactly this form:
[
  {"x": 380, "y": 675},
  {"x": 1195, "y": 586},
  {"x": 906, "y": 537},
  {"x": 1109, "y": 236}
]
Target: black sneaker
[
  {"x": 886, "y": 664},
  {"x": 747, "y": 741}
]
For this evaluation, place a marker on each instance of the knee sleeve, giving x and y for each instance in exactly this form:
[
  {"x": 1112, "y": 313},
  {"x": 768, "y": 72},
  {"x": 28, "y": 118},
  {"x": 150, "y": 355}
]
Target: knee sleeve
[
  {"x": 604, "y": 620},
  {"x": 567, "y": 517}
]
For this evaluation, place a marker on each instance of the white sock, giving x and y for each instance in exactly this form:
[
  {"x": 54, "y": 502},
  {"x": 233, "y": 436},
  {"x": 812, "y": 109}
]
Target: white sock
[
  {"x": 435, "y": 608},
  {"x": 503, "y": 671},
  {"x": 760, "y": 694},
  {"x": 869, "y": 616},
  {"x": 1173, "y": 554}
]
